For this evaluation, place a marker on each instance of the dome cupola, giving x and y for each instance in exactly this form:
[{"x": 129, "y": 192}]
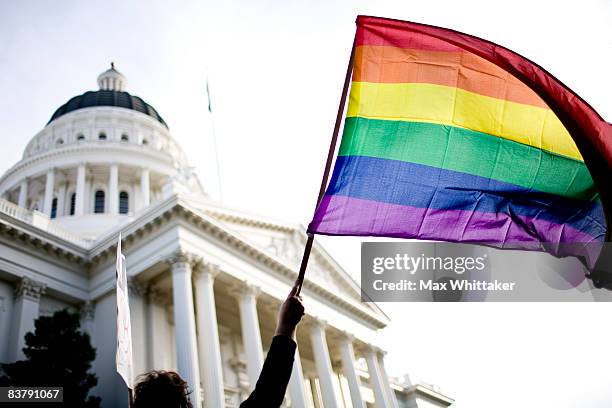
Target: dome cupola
[{"x": 112, "y": 80}]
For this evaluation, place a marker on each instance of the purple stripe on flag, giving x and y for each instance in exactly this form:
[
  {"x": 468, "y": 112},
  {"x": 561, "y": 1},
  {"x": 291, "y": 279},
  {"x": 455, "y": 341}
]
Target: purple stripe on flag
[{"x": 341, "y": 215}]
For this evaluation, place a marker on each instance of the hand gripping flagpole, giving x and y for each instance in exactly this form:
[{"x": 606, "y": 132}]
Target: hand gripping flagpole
[{"x": 330, "y": 158}]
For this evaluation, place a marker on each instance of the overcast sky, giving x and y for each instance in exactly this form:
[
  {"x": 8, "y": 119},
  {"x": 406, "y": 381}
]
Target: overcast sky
[{"x": 276, "y": 70}]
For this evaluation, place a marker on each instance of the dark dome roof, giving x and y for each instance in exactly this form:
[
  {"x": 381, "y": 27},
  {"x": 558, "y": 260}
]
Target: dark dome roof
[{"x": 119, "y": 99}]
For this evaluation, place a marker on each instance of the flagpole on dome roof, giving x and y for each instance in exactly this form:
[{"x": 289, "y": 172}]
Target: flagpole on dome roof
[
  {"x": 330, "y": 158},
  {"x": 214, "y": 140}
]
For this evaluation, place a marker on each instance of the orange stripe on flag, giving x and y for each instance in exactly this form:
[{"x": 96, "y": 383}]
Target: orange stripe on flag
[{"x": 384, "y": 64}]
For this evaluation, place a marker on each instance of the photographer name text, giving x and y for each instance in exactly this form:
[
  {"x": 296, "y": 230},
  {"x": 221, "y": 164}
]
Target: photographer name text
[{"x": 453, "y": 285}]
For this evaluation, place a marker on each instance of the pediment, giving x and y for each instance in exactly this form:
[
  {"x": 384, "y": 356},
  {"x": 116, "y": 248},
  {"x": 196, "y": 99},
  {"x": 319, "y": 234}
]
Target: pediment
[{"x": 286, "y": 242}]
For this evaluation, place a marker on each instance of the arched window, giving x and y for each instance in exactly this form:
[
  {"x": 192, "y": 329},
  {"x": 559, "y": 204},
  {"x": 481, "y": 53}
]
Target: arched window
[
  {"x": 60, "y": 141},
  {"x": 54, "y": 207},
  {"x": 125, "y": 137},
  {"x": 99, "y": 202},
  {"x": 80, "y": 136},
  {"x": 124, "y": 202},
  {"x": 72, "y": 203},
  {"x": 102, "y": 136}
]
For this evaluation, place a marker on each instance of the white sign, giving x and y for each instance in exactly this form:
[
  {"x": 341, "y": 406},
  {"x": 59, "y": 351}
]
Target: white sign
[{"x": 124, "y": 331}]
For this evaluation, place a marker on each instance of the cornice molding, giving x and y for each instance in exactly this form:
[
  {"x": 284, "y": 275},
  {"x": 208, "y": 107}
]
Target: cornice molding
[
  {"x": 243, "y": 220},
  {"x": 24, "y": 233},
  {"x": 88, "y": 147}
]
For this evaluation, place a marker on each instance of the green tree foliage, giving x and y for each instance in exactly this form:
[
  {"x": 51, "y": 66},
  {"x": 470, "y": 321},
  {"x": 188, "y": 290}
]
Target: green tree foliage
[{"x": 57, "y": 354}]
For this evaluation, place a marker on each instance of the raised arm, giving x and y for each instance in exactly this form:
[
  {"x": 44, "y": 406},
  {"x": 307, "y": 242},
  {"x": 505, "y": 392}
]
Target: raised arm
[{"x": 271, "y": 386}]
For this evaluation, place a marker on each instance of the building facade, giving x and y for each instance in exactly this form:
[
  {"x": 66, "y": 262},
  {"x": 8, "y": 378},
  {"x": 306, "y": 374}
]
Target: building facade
[{"x": 205, "y": 280}]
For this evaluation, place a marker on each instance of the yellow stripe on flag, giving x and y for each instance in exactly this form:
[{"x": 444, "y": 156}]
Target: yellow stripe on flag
[{"x": 530, "y": 125}]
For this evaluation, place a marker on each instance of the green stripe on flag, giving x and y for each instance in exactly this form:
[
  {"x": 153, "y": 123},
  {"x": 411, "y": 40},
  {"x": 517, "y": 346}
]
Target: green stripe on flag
[{"x": 467, "y": 151}]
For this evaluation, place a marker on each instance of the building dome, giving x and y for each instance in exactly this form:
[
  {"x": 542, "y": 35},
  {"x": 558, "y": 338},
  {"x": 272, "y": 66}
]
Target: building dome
[
  {"x": 112, "y": 84},
  {"x": 104, "y": 157}
]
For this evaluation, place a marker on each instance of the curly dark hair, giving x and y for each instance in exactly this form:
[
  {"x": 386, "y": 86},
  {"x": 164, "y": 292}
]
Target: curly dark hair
[{"x": 163, "y": 389}]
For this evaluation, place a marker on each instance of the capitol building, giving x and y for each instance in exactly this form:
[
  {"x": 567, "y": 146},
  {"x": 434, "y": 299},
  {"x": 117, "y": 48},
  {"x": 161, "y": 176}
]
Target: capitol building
[{"x": 205, "y": 280}]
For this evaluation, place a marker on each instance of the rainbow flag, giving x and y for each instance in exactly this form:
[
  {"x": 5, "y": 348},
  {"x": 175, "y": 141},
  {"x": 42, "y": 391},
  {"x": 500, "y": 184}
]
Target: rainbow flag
[{"x": 446, "y": 138}]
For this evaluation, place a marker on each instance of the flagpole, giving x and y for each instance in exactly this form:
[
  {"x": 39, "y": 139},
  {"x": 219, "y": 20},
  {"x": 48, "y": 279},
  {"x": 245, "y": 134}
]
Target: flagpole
[
  {"x": 330, "y": 158},
  {"x": 214, "y": 137}
]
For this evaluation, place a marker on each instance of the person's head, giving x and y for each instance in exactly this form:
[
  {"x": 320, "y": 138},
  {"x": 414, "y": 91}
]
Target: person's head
[{"x": 163, "y": 389}]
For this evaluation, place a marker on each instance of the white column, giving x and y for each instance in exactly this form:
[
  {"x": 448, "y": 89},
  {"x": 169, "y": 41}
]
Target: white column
[
  {"x": 50, "y": 183},
  {"x": 23, "y": 194},
  {"x": 137, "y": 299},
  {"x": 169, "y": 359},
  {"x": 61, "y": 199},
  {"x": 386, "y": 382},
  {"x": 25, "y": 311},
  {"x": 184, "y": 325},
  {"x": 376, "y": 380},
  {"x": 297, "y": 392},
  {"x": 316, "y": 394},
  {"x": 79, "y": 204},
  {"x": 251, "y": 335},
  {"x": 144, "y": 187},
  {"x": 323, "y": 363},
  {"x": 156, "y": 325},
  {"x": 88, "y": 200},
  {"x": 113, "y": 190},
  {"x": 208, "y": 339},
  {"x": 347, "y": 355}
]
